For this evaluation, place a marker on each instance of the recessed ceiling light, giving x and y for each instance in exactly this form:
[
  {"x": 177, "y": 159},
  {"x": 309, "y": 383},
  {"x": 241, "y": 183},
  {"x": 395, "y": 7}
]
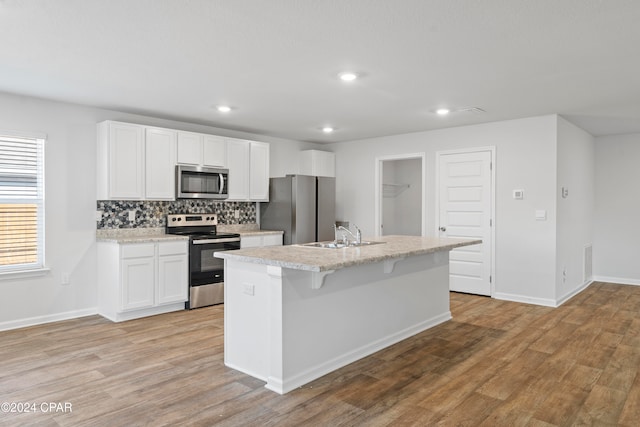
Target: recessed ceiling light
[
  {"x": 348, "y": 76},
  {"x": 223, "y": 108},
  {"x": 328, "y": 129},
  {"x": 442, "y": 111}
]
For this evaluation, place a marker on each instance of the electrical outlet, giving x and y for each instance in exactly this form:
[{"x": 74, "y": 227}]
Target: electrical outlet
[
  {"x": 132, "y": 215},
  {"x": 237, "y": 213},
  {"x": 248, "y": 289},
  {"x": 99, "y": 215}
]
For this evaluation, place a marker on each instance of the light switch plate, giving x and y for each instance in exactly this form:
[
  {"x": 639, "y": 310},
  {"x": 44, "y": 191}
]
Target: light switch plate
[
  {"x": 541, "y": 215},
  {"x": 518, "y": 194}
]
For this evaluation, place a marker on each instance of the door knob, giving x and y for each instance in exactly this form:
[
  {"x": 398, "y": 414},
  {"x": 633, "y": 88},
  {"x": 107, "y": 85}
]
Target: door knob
[{"x": 443, "y": 228}]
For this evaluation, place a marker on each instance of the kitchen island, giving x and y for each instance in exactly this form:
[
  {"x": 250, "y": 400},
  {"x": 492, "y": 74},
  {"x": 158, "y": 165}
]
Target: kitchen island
[{"x": 295, "y": 313}]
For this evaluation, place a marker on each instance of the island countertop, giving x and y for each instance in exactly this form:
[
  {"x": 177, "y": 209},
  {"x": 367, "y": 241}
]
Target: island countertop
[{"x": 300, "y": 257}]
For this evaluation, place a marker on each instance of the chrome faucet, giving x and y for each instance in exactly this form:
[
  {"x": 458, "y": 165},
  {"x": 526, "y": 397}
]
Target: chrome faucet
[{"x": 357, "y": 238}]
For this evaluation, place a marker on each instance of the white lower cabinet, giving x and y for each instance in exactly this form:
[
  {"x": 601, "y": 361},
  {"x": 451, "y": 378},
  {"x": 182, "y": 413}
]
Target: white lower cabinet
[
  {"x": 141, "y": 279},
  {"x": 260, "y": 240}
]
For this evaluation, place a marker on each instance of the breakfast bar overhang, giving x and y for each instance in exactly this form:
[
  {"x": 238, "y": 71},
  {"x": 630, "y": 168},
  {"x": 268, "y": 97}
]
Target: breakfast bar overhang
[{"x": 295, "y": 313}]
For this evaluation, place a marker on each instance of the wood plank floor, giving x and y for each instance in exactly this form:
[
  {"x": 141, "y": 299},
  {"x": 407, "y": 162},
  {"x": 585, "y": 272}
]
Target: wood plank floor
[{"x": 496, "y": 363}]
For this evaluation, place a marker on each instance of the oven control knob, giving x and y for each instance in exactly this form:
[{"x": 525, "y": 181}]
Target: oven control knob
[
  {"x": 179, "y": 219},
  {"x": 173, "y": 219}
]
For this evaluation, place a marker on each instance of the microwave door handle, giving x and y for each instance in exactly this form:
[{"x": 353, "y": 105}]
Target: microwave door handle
[{"x": 221, "y": 183}]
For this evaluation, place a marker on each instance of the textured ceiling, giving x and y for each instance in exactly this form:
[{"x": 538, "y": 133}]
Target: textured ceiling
[{"x": 276, "y": 61}]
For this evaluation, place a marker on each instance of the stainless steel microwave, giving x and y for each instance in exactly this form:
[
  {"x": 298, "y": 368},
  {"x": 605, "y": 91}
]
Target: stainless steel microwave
[{"x": 196, "y": 182}]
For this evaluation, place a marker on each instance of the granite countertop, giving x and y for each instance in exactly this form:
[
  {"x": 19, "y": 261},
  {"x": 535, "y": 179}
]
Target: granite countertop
[
  {"x": 136, "y": 235},
  {"x": 299, "y": 257},
  {"x": 144, "y": 235}
]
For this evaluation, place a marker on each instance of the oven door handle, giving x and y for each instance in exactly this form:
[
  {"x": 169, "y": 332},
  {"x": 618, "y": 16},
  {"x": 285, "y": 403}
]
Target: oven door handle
[{"x": 207, "y": 241}]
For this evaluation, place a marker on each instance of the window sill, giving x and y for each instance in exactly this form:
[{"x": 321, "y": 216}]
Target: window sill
[{"x": 21, "y": 274}]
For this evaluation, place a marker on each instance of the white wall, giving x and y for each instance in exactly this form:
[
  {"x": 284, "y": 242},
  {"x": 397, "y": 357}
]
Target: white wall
[
  {"x": 70, "y": 165},
  {"x": 617, "y": 212},
  {"x": 526, "y": 159},
  {"x": 576, "y": 172}
]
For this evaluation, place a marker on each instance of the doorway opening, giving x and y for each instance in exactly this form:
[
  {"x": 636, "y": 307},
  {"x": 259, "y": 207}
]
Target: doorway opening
[{"x": 400, "y": 195}]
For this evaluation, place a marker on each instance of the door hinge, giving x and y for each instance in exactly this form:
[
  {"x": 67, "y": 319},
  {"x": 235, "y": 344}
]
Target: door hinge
[
  {"x": 490, "y": 222},
  {"x": 490, "y": 279}
]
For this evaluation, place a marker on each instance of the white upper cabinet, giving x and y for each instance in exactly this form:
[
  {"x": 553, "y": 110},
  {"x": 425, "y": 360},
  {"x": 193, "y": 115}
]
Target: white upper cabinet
[
  {"x": 160, "y": 164},
  {"x": 214, "y": 151},
  {"x": 238, "y": 154},
  {"x": 198, "y": 149},
  {"x": 120, "y": 162},
  {"x": 248, "y": 164},
  {"x": 317, "y": 163},
  {"x": 135, "y": 162},
  {"x": 259, "y": 172},
  {"x": 189, "y": 148}
]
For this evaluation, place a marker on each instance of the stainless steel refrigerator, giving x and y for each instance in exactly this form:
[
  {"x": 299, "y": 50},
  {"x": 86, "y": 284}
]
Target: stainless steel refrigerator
[{"x": 302, "y": 206}]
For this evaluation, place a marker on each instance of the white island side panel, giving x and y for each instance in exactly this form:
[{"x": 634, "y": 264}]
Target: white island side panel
[{"x": 288, "y": 333}]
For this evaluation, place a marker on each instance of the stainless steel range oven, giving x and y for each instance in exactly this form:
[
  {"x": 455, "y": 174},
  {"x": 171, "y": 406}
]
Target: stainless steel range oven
[{"x": 206, "y": 272}]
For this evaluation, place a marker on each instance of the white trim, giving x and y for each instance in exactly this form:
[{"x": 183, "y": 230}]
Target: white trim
[
  {"x": 617, "y": 280},
  {"x": 546, "y": 302},
  {"x": 39, "y": 320},
  {"x": 23, "y": 273},
  {"x": 492, "y": 150},
  {"x": 145, "y": 312},
  {"x": 22, "y": 134},
  {"x": 573, "y": 293},
  {"x": 378, "y": 189}
]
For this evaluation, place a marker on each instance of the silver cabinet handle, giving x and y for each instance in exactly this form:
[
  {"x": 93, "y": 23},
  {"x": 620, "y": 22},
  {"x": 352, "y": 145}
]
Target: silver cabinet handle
[{"x": 443, "y": 228}]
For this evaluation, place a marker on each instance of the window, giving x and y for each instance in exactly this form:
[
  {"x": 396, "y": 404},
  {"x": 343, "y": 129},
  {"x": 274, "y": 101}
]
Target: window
[{"x": 21, "y": 203}]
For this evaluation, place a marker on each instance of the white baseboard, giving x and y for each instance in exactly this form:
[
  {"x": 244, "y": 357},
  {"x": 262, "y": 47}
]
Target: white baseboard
[
  {"x": 39, "y": 320},
  {"x": 617, "y": 280},
  {"x": 524, "y": 299},
  {"x": 573, "y": 293},
  {"x": 144, "y": 312},
  {"x": 282, "y": 387}
]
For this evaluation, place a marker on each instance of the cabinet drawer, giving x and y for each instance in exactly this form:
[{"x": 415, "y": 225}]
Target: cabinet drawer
[
  {"x": 137, "y": 250},
  {"x": 172, "y": 248}
]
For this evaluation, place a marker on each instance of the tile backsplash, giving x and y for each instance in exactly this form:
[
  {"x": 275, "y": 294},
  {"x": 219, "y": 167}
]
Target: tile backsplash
[{"x": 152, "y": 214}]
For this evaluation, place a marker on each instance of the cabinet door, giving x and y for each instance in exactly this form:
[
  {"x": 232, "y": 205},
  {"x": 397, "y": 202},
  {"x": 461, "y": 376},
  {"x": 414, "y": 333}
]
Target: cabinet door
[
  {"x": 126, "y": 161},
  {"x": 214, "y": 149},
  {"x": 160, "y": 155},
  {"x": 259, "y": 172},
  {"x": 238, "y": 164},
  {"x": 173, "y": 274},
  {"x": 189, "y": 148},
  {"x": 138, "y": 283}
]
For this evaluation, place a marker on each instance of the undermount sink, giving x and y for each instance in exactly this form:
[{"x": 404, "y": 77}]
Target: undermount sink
[{"x": 338, "y": 245}]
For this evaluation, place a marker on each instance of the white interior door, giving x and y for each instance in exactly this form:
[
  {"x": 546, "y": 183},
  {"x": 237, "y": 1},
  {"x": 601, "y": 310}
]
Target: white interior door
[{"x": 465, "y": 210}]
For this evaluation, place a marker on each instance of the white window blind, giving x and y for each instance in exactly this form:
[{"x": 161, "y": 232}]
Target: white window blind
[{"x": 21, "y": 203}]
